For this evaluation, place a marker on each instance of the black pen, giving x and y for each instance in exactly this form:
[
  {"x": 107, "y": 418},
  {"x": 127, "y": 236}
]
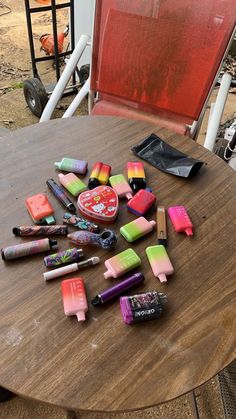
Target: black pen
[{"x": 60, "y": 195}]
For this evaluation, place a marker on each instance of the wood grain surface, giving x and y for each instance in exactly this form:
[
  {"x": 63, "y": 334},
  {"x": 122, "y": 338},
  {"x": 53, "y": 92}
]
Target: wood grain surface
[{"x": 102, "y": 364}]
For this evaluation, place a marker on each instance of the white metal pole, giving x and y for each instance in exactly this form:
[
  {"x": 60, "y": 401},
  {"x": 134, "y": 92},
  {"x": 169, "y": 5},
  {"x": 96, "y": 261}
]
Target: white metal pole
[
  {"x": 62, "y": 82},
  {"x": 217, "y": 112}
]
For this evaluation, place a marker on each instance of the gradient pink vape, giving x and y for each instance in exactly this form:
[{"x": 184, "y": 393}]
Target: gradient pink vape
[
  {"x": 180, "y": 220},
  {"x": 74, "y": 298}
]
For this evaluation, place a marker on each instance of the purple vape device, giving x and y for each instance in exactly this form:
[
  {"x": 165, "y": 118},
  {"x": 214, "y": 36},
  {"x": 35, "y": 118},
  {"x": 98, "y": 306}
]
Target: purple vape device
[
  {"x": 142, "y": 306},
  {"x": 112, "y": 292}
]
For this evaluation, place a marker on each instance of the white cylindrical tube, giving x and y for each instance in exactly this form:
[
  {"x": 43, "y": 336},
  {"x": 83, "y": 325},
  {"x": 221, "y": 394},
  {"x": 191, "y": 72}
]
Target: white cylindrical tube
[
  {"x": 60, "y": 86},
  {"x": 60, "y": 271},
  {"x": 77, "y": 100}
]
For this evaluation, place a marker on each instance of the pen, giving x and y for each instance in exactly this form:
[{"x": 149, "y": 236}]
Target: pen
[
  {"x": 71, "y": 268},
  {"x": 60, "y": 195},
  {"x": 161, "y": 226}
]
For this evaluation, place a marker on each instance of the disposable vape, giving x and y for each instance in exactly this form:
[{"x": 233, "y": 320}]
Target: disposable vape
[
  {"x": 40, "y": 209},
  {"x": 121, "y": 263},
  {"x": 54, "y": 230},
  {"x": 121, "y": 186},
  {"x": 60, "y": 195},
  {"x": 180, "y": 220},
  {"x": 159, "y": 261},
  {"x": 72, "y": 183},
  {"x": 80, "y": 222},
  {"x": 99, "y": 175},
  {"x": 113, "y": 292},
  {"x": 141, "y": 202},
  {"x": 136, "y": 175},
  {"x": 137, "y": 228},
  {"x": 66, "y": 256},
  {"x": 72, "y": 165},
  {"x": 106, "y": 240},
  {"x": 73, "y": 267},
  {"x": 161, "y": 226},
  {"x": 28, "y": 249},
  {"x": 74, "y": 298},
  {"x": 142, "y": 306}
]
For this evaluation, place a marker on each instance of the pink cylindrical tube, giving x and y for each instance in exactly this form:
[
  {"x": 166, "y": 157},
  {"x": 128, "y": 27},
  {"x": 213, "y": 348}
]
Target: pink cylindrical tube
[{"x": 28, "y": 249}]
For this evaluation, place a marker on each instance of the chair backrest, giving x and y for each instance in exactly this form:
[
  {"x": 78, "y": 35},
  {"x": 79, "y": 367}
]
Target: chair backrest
[{"x": 160, "y": 54}]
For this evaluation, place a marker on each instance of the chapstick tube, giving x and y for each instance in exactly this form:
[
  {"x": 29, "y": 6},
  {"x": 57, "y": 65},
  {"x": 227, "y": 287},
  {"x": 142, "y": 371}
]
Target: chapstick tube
[
  {"x": 70, "y": 268},
  {"x": 121, "y": 186},
  {"x": 159, "y": 261},
  {"x": 72, "y": 183},
  {"x": 60, "y": 195},
  {"x": 136, "y": 175},
  {"x": 142, "y": 306},
  {"x": 121, "y": 263},
  {"x": 113, "y": 292},
  {"x": 28, "y": 249},
  {"x": 137, "y": 228},
  {"x": 180, "y": 220},
  {"x": 72, "y": 165},
  {"x": 74, "y": 298},
  {"x": 66, "y": 256},
  {"x": 54, "y": 230}
]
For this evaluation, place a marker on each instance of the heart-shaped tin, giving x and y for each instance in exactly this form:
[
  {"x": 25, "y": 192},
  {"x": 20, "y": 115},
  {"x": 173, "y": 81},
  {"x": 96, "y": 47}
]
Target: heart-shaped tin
[{"x": 100, "y": 204}]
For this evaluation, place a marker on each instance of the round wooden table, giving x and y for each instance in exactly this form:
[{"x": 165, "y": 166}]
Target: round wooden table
[{"x": 103, "y": 364}]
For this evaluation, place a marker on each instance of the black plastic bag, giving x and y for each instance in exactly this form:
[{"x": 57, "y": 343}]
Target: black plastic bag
[{"x": 166, "y": 158}]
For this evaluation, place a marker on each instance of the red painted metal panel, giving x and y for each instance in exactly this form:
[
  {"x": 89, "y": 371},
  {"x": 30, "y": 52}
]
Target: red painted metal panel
[{"x": 159, "y": 53}]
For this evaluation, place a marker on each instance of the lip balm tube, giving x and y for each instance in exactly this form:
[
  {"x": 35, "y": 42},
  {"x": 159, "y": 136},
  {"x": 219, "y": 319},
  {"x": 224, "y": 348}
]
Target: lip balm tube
[
  {"x": 180, "y": 220},
  {"x": 136, "y": 229},
  {"x": 121, "y": 186},
  {"x": 60, "y": 195},
  {"x": 74, "y": 298},
  {"x": 136, "y": 175},
  {"x": 80, "y": 222},
  {"x": 66, "y": 256},
  {"x": 113, "y": 292},
  {"x": 141, "y": 202},
  {"x": 72, "y": 183},
  {"x": 54, "y": 230},
  {"x": 70, "y": 268},
  {"x": 161, "y": 226},
  {"x": 159, "y": 261},
  {"x": 142, "y": 306},
  {"x": 99, "y": 175},
  {"x": 72, "y": 165},
  {"x": 121, "y": 263},
  {"x": 28, "y": 249}
]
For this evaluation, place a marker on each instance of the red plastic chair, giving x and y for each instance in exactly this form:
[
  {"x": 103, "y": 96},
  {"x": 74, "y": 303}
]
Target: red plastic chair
[{"x": 157, "y": 60}]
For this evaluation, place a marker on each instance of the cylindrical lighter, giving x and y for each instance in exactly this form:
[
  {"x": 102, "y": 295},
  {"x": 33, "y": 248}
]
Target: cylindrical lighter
[
  {"x": 72, "y": 165},
  {"x": 121, "y": 186},
  {"x": 74, "y": 298},
  {"x": 72, "y": 183},
  {"x": 99, "y": 175},
  {"x": 60, "y": 195},
  {"x": 113, "y": 292},
  {"x": 66, "y": 256},
  {"x": 159, "y": 261},
  {"x": 28, "y": 249},
  {"x": 54, "y": 230},
  {"x": 121, "y": 263},
  {"x": 142, "y": 306},
  {"x": 180, "y": 220},
  {"x": 137, "y": 228},
  {"x": 136, "y": 175}
]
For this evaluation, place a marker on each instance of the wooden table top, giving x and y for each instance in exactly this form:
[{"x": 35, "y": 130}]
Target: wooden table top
[{"x": 103, "y": 364}]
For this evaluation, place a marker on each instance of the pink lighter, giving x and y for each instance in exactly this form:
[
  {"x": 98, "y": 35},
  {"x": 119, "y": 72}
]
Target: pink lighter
[
  {"x": 180, "y": 220},
  {"x": 74, "y": 298}
]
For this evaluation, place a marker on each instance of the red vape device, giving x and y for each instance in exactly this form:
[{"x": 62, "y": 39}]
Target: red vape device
[
  {"x": 40, "y": 209},
  {"x": 141, "y": 202},
  {"x": 74, "y": 298},
  {"x": 180, "y": 220}
]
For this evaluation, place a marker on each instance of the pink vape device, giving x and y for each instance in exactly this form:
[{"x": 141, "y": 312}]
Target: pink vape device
[
  {"x": 180, "y": 220},
  {"x": 74, "y": 298},
  {"x": 159, "y": 261}
]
